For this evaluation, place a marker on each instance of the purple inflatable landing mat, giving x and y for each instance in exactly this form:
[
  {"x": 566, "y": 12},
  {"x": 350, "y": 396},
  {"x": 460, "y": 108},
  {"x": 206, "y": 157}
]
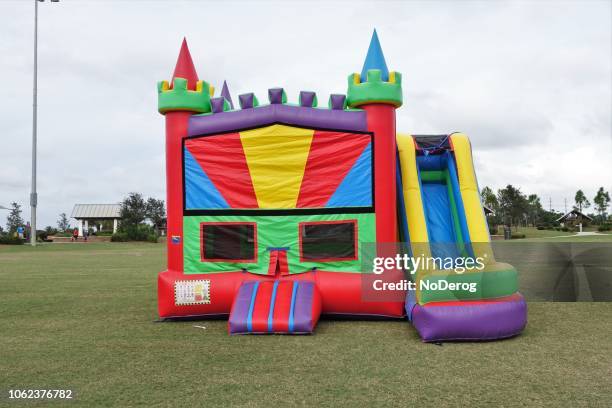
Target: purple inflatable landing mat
[{"x": 471, "y": 320}]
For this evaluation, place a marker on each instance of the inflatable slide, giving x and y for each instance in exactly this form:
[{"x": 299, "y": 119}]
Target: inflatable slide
[{"x": 445, "y": 220}]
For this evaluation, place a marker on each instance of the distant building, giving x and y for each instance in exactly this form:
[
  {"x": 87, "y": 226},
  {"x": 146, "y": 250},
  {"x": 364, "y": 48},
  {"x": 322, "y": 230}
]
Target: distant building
[
  {"x": 100, "y": 217},
  {"x": 488, "y": 211},
  {"x": 573, "y": 218}
]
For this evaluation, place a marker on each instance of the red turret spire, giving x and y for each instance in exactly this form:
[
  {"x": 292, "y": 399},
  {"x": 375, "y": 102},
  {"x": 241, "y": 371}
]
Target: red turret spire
[{"x": 185, "y": 68}]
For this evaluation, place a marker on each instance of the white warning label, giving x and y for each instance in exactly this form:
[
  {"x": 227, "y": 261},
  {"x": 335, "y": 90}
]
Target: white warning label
[{"x": 192, "y": 292}]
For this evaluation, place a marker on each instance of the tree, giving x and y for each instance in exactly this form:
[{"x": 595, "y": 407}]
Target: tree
[
  {"x": 14, "y": 220},
  {"x": 489, "y": 199},
  {"x": 534, "y": 208},
  {"x": 63, "y": 223},
  {"x": 156, "y": 213},
  {"x": 133, "y": 210},
  {"x": 548, "y": 219},
  {"x": 581, "y": 201},
  {"x": 512, "y": 204},
  {"x": 602, "y": 201}
]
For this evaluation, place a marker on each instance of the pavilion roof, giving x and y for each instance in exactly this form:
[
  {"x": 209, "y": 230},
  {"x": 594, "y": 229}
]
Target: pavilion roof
[
  {"x": 96, "y": 211},
  {"x": 573, "y": 214}
]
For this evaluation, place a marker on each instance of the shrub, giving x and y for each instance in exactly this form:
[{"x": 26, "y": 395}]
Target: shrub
[
  {"x": 541, "y": 227},
  {"x": 517, "y": 235},
  {"x": 141, "y": 232},
  {"x": 9, "y": 240},
  {"x": 604, "y": 227},
  {"x": 119, "y": 237},
  {"x": 565, "y": 229}
]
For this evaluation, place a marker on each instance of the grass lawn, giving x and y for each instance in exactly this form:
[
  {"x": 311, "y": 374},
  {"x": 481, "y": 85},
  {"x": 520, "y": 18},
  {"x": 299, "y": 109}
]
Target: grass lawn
[
  {"x": 531, "y": 232},
  {"x": 81, "y": 316}
]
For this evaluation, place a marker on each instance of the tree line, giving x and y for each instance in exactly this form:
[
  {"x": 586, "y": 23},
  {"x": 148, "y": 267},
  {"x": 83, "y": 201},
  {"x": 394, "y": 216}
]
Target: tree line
[
  {"x": 513, "y": 208},
  {"x": 141, "y": 220}
]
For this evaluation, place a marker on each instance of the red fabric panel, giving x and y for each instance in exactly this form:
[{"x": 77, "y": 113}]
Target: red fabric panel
[
  {"x": 283, "y": 266},
  {"x": 332, "y": 154},
  {"x": 176, "y": 130},
  {"x": 352, "y": 294},
  {"x": 223, "y": 160},
  {"x": 341, "y": 293},
  {"x": 381, "y": 121},
  {"x": 223, "y": 288},
  {"x": 282, "y": 307},
  {"x": 262, "y": 307},
  {"x": 272, "y": 263},
  {"x": 316, "y": 307}
]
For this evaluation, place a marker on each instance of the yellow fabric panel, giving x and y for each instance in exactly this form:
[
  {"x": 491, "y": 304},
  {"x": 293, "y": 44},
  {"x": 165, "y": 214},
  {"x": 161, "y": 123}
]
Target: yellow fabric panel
[
  {"x": 276, "y": 156},
  {"x": 413, "y": 200},
  {"x": 468, "y": 185}
]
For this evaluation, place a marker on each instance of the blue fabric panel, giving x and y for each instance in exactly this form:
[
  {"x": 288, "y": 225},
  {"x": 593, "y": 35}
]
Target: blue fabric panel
[
  {"x": 410, "y": 303},
  {"x": 454, "y": 180},
  {"x": 251, "y": 307},
  {"x": 356, "y": 188},
  {"x": 431, "y": 162},
  {"x": 200, "y": 192},
  {"x": 439, "y": 220},
  {"x": 292, "y": 307}
]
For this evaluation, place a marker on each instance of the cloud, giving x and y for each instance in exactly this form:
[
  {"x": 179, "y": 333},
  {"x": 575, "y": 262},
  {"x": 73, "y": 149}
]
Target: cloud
[{"x": 530, "y": 83}]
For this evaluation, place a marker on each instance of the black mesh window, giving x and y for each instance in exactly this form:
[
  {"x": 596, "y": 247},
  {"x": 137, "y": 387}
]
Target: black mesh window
[
  {"x": 328, "y": 241},
  {"x": 228, "y": 242}
]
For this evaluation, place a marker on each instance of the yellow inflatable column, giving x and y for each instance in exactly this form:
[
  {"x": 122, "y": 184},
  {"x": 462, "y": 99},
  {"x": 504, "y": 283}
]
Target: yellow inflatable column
[
  {"x": 468, "y": 185},
  {"x": 413, "y": 200}
]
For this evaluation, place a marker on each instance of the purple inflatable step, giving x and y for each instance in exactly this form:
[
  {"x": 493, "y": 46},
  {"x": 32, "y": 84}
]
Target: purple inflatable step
[
  {"x": 275, "y": 306},
  {"x": 469, "y": 320}
]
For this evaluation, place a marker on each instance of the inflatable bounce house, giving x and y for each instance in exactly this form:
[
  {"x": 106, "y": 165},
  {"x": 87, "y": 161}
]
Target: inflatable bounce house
[{"x": 272, "y": 205}]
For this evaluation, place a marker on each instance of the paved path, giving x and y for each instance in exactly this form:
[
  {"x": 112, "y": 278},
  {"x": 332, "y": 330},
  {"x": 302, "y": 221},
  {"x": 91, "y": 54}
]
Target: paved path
[{"x": 579, "y": 234}]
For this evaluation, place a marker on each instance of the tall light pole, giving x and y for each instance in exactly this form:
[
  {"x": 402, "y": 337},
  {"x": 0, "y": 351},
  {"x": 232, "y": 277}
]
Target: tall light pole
[{"x": 33, "y": 193}]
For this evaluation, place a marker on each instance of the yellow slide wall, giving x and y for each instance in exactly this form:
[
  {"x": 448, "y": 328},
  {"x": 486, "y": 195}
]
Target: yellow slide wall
[
  {"x": 468, "y": 185},
  {"x": 415, "y": 215}
]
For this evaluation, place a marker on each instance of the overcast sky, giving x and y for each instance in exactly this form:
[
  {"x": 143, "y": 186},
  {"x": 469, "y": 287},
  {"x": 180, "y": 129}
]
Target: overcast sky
[{"x": 530, "y": 82}]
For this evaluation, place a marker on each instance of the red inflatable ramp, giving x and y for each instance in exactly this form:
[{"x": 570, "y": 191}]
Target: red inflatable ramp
[{"x": 275, "y": 306}]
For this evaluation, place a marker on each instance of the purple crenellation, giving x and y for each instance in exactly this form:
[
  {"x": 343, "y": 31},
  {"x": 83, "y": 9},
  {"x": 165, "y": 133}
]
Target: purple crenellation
[
  {"x": 353, "y": 120},
  {"x": 337, "y": 101},
  {"x": 275, "y": 95},
  {"x": 217, "y": 104},
  {"x": 246, "y": 101},
  {"x": 307, "y": 98}
]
